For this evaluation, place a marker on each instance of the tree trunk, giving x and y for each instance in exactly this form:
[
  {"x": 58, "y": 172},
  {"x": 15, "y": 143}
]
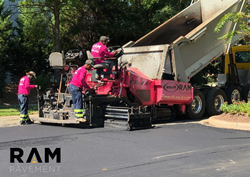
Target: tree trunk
[{"x": 57, "y": 27}]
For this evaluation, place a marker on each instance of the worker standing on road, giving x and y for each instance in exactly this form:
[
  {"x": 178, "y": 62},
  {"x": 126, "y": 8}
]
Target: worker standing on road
[
  {"x": 99, "y": 50},
  {"x": 23, "y": 92},
  {"x": 76, "y": 86}
]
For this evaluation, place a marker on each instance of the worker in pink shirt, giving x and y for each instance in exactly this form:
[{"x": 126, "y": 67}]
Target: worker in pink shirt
[
  {"x": 76, "y": 86},
  {"x": 23, "y": 92},
  {"x": 99, "y": 50}
]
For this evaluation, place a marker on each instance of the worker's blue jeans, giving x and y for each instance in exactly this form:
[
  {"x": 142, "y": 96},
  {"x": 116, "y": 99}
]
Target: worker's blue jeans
[
  {"x": 23, "y": 102},
  {"x": 76, "y": 93},
  {"x": 109, "y": 70}
]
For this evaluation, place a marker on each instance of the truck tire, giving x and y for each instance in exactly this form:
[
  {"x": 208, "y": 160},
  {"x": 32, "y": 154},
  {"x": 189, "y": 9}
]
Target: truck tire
[
  {"x": 196, "y": 108},
  {"x": 205, "y": 91},
  {"x": 246, "y": 93},
  {"x": 173, "y": 115},
  {"x": 233, "y": 94},
  {"x": 214, "y": 100}
]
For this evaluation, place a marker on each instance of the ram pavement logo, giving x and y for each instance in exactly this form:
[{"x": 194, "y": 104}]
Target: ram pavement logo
[
  {"x": 33, "y": 162},
  {"x": 173, "y": 87}
]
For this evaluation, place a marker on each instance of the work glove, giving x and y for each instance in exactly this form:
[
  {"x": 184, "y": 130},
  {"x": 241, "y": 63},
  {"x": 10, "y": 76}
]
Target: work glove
[{"x": 91, "y": 91}]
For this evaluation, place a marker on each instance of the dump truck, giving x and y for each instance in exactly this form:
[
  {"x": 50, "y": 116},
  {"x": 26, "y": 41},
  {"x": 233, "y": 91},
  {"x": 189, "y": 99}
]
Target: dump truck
[{"x": 150, "y": 79}]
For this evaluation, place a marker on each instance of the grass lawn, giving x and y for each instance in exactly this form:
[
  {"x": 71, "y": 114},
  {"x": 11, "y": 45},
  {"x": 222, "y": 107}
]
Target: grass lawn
[{"x": 15, "y": 110}]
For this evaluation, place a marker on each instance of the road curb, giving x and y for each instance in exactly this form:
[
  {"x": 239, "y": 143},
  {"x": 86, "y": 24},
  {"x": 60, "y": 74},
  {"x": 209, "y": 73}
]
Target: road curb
[{"x": 229, "y": 125}]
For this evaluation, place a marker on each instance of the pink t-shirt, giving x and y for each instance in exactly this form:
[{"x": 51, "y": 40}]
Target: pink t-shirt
[
  {"x": 100, "y": 50},
  {"x": 78, "y": 79},
  {"x": 24, "y": 86}
]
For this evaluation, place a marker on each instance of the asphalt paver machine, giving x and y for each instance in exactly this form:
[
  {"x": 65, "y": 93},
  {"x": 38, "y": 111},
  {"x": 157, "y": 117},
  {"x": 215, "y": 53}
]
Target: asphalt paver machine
[{"x": 150, "y": 80}]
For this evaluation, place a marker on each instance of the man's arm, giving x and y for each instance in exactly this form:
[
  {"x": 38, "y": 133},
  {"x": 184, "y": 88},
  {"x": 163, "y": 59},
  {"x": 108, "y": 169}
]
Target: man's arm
[
  {"x": 27, "y": 84},
  {"x": 107, "y": 53},
  {"x": 82, "y": 79}
]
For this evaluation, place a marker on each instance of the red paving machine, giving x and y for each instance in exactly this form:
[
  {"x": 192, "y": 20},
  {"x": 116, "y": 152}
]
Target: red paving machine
[{"x": 150, "y": 79}]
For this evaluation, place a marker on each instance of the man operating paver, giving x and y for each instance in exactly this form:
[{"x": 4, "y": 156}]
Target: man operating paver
[
  {"x": 23, "y": 92},
  {"x": 99, "y": 50},
  {"x": 76, "y": 86}
]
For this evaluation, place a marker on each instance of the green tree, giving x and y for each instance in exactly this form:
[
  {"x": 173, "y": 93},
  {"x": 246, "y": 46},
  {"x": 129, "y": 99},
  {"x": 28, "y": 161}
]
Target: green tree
[
  {"x": 121, "y": 20},
  {"x": 241, "y": 18},
  {"x": 27, "y": 52},
  {"x": 32, "y": 10},
  {"x": 76, "y": 23},
  {"x": 5, "y": 31},
  {"x": 81, "y": 23},
  {"x": 51, "y": 11},
  {"x": 35, "y": 37}
]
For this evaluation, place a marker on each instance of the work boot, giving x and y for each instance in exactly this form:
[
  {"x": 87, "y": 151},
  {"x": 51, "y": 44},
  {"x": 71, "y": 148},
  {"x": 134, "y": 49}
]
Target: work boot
[
  {"x": 22, "y": 122},
  {"x": 81, "y": 120},
  {"x": 29, "y": 121}
]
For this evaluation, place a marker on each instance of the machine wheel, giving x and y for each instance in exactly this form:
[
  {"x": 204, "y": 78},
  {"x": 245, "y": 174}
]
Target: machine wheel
[
  {"x": 196, "y": 108},
  {"x": 129, "y": 127},
  {"x": 173, "y": 115},
  {"x": 205, "y": 92},
  {"x": 214, "y": 100},
  {"x": 246, "y": 93},
  {"x": 233, "y": 94}
]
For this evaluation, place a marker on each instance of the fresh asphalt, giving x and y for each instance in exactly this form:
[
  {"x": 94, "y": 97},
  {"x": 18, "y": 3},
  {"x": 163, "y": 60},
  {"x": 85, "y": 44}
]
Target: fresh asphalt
[{"x": 169, "y": 150}]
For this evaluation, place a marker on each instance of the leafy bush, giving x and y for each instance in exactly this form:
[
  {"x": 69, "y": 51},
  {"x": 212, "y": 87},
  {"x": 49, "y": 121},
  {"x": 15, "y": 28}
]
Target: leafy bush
[{"x": 236, "y": 108}]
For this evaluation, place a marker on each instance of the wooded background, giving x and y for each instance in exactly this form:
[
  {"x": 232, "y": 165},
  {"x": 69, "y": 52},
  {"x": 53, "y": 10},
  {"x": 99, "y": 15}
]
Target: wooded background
[{"x": 45, "y": 26}]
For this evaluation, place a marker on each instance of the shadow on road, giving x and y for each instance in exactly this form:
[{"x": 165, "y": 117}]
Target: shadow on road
[{"x": 179, "y": 119}]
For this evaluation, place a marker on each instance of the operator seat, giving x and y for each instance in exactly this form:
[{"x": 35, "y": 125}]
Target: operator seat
[
  {"x": 102, "y": 66},
  {"x": 97, "y": 66}
]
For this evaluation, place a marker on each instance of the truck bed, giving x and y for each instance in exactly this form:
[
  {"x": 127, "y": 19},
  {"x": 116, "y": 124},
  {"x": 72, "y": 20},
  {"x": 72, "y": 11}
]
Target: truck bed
[{"x": 190, "y": 38}]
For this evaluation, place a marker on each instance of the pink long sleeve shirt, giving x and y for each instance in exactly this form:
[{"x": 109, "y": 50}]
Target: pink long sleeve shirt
[
  {"x": 100, "y": 50},
  {"x": 24, "y": 86},
  {"x": 78, "y": 79}
]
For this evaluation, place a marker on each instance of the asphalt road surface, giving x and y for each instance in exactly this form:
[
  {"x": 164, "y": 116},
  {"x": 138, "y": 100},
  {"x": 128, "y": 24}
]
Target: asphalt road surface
[{"x": 170, "y": 150}]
